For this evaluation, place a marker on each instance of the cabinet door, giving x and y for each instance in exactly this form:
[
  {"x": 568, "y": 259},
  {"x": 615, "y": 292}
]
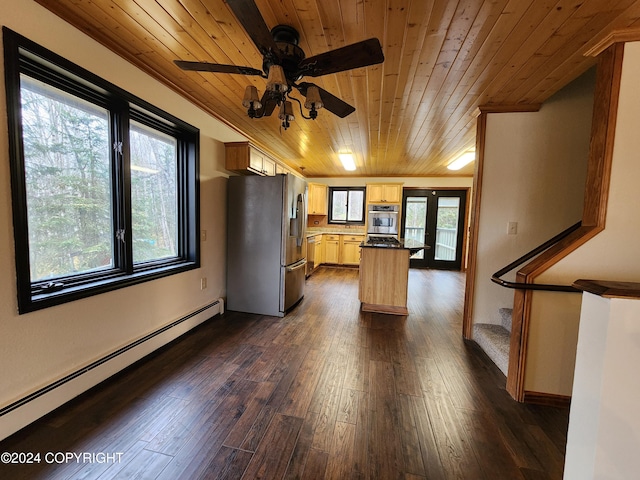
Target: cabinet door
[
  {"x": 332, "y": 251},
  {"x": 268, "y": 166},
  {"x": 374, "y": 193},
  {"x": 255, "y": 161},
  {"x": 351, "y": 253},
  {"x": 384, "y": 193},
  {"x": 280, "y": 169},
  {"x": 317, "y": 199},
  {"x": 350, "y": 250},
  {"x": 319, "y": 250},
  {"x": 392, "y": 193}
]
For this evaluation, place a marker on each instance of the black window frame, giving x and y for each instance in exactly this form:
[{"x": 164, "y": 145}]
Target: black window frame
[
  {"x": 23, "y": 56},
  {"x": 332, "y": 190}
]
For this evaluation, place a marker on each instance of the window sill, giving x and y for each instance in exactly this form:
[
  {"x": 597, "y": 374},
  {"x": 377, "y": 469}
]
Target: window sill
[{"x": 103, "y": 284}]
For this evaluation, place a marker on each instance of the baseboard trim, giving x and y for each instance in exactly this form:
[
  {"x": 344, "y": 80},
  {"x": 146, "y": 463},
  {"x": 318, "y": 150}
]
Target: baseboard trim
[
  {"x": 547, "y": 399},
  {"x": 29, "y": 408}
]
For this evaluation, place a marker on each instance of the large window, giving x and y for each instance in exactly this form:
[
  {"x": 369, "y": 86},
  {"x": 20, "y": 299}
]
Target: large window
[
  {"x": 104, "y": 185},
  {"x": 346, "y": 205}
]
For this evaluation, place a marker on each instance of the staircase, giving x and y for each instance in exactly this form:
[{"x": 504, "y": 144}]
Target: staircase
[{"x": 494, "y": 339}]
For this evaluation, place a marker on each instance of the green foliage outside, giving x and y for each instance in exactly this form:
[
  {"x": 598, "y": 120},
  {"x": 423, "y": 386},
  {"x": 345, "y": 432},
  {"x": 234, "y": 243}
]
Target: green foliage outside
[{"x": 67, "y": 155}]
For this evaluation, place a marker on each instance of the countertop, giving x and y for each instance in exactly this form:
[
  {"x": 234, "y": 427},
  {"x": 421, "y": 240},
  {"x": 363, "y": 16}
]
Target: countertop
[
  {"x": 313, "y": 234},
  {"x": 404, "y": 244}
]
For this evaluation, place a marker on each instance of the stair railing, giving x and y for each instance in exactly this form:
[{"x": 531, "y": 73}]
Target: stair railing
[{"x": 495, "y": 278}]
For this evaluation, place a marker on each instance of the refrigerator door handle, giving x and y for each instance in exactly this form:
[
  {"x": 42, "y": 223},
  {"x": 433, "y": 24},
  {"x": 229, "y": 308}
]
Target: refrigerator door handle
[
  {"x": 299, "y": 214},
  {"x": 297, "y": 265}
]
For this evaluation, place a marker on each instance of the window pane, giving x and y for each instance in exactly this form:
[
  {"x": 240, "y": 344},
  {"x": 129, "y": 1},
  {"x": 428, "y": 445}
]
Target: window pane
[
  {"x": 154, "y": 195},
  {"x": 415, "y": 224},
  {"x": 339, "y": 205},
  {"x": 447, "y": 228},
  {"x": 67, "y": 172},
  {"x": 356, "y": 206}
]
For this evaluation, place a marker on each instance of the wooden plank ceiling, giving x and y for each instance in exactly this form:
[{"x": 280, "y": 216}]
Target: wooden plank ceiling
[{"x": 414, "y": 112}]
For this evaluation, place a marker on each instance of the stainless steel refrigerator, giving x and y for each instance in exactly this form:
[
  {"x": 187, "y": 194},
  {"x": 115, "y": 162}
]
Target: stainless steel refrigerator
[{"x": 266, "y": 248}]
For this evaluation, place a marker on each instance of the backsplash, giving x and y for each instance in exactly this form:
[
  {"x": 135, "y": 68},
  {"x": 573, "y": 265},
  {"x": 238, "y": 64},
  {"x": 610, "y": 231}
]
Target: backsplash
[{"x": 336, "y": 229}]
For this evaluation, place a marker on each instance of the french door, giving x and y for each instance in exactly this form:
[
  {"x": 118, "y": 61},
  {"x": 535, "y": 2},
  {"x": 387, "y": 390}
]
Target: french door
[{"x": 435, "y": 218}]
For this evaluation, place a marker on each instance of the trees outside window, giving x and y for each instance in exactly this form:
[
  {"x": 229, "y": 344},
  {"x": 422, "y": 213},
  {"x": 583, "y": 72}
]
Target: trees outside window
[
  {"x": 346, "y": 205},
  {"x": 104, "y": 185},
  {"x": 67, "y": 179}
]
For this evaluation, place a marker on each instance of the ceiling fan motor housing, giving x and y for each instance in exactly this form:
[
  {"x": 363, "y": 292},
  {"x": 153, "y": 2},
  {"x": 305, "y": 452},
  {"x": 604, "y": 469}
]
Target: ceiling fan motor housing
[{"x": 286, "y": 39}]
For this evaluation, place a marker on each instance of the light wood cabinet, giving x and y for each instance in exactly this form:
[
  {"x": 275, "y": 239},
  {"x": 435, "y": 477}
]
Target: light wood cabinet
[
  {"x": 318, "y": 204},
  {"x": 242, "y": 157},
  {"x": 331, "y": 249},
  {"x": 384, "y": 192},
  {"x": 338, "y": 249},
  {"x": 384, "y": 275},
  {"x": 350, "y": 249},
  {"x": 319, "y": 250},
  {"x": 281, "y": 169}
]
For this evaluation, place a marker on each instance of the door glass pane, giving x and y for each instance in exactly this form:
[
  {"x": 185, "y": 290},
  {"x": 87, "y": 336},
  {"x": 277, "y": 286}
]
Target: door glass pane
[
  {"x": 416, "y": 221},
  {"x": 154, "y": 194},
  {"x": 68, "y": 182},
  {"x": 447, "y": 228}
]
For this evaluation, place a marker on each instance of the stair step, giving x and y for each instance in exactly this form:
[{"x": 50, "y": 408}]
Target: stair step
[
  {"x": 505, "y": 317},
  {"x": 494, "y": 340}
]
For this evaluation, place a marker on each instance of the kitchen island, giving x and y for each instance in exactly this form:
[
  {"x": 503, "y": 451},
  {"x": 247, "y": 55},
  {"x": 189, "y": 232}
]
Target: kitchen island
[{"x": 384, "y": 275}]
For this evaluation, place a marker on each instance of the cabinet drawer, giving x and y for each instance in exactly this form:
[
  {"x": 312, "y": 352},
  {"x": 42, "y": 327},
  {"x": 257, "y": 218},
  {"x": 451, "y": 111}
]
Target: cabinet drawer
[
  {"x": 352, "y": 238},
  {"x": 332, "y": 237}
]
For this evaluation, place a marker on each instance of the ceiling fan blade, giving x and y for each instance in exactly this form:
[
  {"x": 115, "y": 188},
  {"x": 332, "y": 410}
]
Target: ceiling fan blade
[
  {"x": 361, "y": 54},
  {"x": 247, "y": 13},
  {"x": 330, "y": 102},
  {"x": 269, "y": 104},
  {"x": 216, "y": 68}
]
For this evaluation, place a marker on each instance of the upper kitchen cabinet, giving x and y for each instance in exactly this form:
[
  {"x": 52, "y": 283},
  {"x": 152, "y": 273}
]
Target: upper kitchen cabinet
[
  {"x": 318, "y": 204},
  {"x": 384, "y": 192},
  {"x": 242, "y": 157},
  {"x": 281, "y": 170}
]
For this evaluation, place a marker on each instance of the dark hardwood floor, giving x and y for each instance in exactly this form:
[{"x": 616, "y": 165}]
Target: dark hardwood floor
[{"x": 326, "y": 392}]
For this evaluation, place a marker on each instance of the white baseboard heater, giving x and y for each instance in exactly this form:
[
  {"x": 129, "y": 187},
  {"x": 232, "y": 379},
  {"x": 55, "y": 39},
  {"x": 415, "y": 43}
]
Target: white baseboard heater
[{"x": 29, "y": 408}]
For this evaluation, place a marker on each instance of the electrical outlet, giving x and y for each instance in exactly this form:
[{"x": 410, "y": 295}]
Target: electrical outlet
[
  {"x": 203, "y": 235},
  {"x": 512, "y": 228},
  {"x": 203, "y": 283}
]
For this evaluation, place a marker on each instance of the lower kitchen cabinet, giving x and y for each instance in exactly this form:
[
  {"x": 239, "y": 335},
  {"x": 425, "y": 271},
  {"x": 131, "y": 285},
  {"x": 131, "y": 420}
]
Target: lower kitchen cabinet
[
  {"x": 331, "y": 248},
  {"x": 340, "y": 249},
  {"x": 384, "y": 275},
  {"x": 319, "y": 249},
  {"x": 350, "y": 249}
]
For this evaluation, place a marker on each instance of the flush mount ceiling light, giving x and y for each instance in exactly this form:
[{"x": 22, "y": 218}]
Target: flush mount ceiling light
[
  {"x": 283, "y": 65},
  {"x": 347, "y": 161},
  {"x": 462, "y": 160}
]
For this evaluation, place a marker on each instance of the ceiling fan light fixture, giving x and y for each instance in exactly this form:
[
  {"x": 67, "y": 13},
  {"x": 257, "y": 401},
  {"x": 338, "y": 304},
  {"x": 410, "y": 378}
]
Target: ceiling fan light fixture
[
  {"x": 347, "y": 161},
  {"x": 286, "y": 114},
  {"x": 313, "y": 100},
  {"x": 276, "y": 81},
  {"x": 251, "y": 99},
  {"x": 462, "y": 160}
]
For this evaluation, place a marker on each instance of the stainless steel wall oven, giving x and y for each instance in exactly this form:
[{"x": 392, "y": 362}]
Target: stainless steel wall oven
[{"x": 383, "y": 219}]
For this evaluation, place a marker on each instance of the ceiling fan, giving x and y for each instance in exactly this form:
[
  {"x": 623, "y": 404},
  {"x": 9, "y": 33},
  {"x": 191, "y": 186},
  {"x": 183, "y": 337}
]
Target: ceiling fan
[{"x": 284, "y": 64}]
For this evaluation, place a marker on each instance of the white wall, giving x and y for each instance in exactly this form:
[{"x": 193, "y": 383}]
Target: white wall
[
  {"x": 612, "y": 255},
  {"x": 604, "y": 425},
  {"x": 43, "y": 346},
  {"x": 534, "y": 174}
]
